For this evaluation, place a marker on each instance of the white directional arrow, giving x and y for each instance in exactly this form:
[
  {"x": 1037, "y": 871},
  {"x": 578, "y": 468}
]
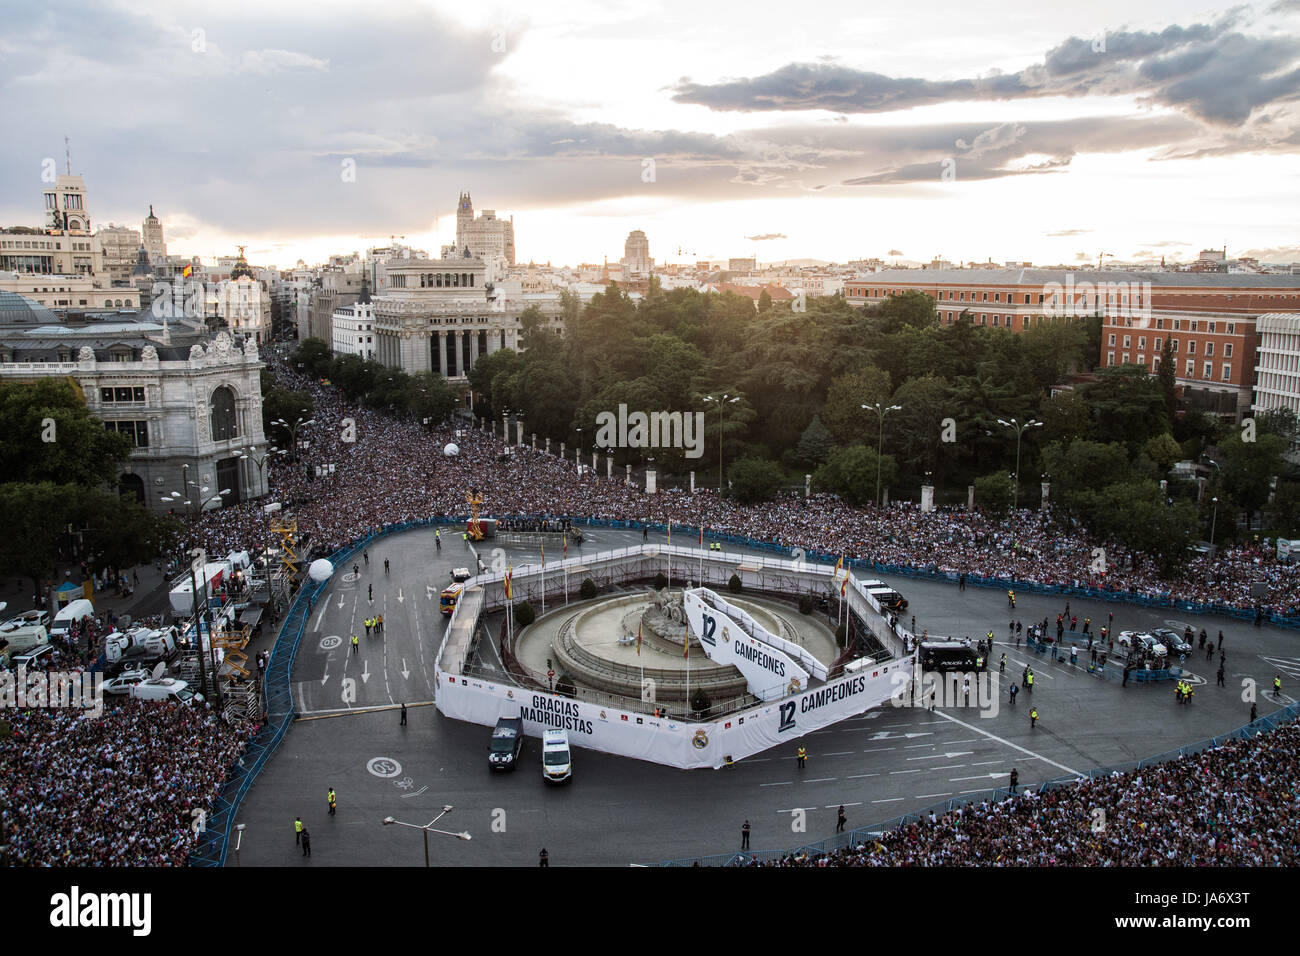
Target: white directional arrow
[
  {"x": 340, "y": 600},
  {"x": 949, "y": 756},
  {"x": 326, "y": 677},
  {"x": 886, "y": 735},
  {"x": 428, "y": 591},
  {"x": 365, "y": 671},
  {"x": 400, "y": 599},
  {"x": 405, "y": 673},
  {"x": 982, "y": 776},
  {"x": 349, "y": 690}
]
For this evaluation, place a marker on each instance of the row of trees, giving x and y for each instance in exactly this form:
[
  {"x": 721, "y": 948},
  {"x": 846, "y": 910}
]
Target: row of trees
[
  {"x": 60, "y": 467},
  {"x": 425, "y": 395}
]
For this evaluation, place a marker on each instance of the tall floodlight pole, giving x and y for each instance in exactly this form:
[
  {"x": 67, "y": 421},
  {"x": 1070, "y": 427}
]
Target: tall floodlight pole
[
  {"x": 722, "y": 402},
  {"x": 881, "y": 411},
  {"x": 1020, "y": 430}
]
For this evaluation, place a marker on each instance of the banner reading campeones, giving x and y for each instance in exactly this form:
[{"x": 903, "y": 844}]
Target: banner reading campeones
[{"x": 666, "y": 741}]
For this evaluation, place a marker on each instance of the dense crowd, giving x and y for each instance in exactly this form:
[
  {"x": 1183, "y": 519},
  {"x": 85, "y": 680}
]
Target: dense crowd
[
  {"x": 115, "y": 790},
  {"x": 1234, "y": 805},
  {"x": 396, "y": 471}
]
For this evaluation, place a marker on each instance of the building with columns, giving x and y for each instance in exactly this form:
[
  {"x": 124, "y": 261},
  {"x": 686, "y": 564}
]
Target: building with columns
[
  {"x": 440, "y": 315},
  {"x": 191, "y": 406}
]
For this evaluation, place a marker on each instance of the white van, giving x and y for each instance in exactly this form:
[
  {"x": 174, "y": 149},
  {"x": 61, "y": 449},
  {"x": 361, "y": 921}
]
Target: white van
[
  {"x": 74, "y": 611},
  {"x": 165, "y": 688},
  {"x": 23, "y": 639},
  {"x": 557, "y": 761}
]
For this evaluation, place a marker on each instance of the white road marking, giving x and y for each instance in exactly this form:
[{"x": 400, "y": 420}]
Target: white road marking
[
  {"x": 1004, "y": 741},
  {"x": 838, "y": 753},
  {"x": 783, "y": 783},
  {"x": 956, "y": 766},
  {"x": 880, "y": 750},
  {"x": 834, "y": 806},
  {"x": 985, "y": 763},
  {"x": 820, "y": 779},
  {"x": 860, "y": 776},
  {"x": 888, "y": 800},
  {"x": 894, "y": 773},
  {"x": 321, "y": 616}
]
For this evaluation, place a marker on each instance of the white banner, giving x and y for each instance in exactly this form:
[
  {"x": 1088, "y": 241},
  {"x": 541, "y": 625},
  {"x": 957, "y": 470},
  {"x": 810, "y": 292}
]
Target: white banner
[
  {"x": 687, "y": 746},
  {"x": 769, "y": 671}
]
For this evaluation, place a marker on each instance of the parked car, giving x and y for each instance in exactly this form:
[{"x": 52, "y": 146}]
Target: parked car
[
  {"x": 557, "y": 762},
  {"x": 1142, "y": 642},
  {"x": 26, "y": 619},
  {"x": 120, "y": 686}
]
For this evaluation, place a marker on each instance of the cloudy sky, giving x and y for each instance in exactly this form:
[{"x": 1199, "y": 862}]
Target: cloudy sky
[{"x": 830, "y": 130}]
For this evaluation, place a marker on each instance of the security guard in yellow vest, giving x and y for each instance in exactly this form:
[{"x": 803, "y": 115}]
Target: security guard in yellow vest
[
  {"x": 1029, "y": 682},
  {"x": 1277, "y": 685},
  {"x": 802, "y": 756},
  {"x": 297, "y": 830},
  {"x": 355, "y": 645},
  {"x": 1033, "y": 717}
]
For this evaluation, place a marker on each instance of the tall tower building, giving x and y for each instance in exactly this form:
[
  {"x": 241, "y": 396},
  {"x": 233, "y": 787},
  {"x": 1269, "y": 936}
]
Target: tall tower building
[
  {"x": 65, "y": 204},
  {"x": 487, "y": 237},
  {"x": 636, "y": 255},
  {"x": 152, "y": 232}
]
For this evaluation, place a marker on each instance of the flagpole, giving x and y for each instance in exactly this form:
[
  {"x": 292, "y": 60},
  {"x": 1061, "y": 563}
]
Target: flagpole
[{"x": 543, "y": 579}]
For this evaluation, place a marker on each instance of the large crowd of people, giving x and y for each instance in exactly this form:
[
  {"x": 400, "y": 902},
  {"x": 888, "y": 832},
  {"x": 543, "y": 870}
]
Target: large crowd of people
[
  {"x": 396, "y": 471},
  {"x": 116, "y": 790},
  {"x": 1233, "y": 805}
]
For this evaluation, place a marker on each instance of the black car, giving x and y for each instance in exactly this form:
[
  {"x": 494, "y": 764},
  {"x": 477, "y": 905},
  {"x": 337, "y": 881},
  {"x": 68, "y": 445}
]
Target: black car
[
  {"x": 1172, "y": 640},
  {"x": 950, "y": 656},
  {"x": 507, "y": 743}
]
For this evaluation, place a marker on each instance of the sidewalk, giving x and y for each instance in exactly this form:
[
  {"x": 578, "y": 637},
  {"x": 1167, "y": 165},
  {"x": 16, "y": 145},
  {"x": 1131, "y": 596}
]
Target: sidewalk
[{"x": 149, "y": 598}]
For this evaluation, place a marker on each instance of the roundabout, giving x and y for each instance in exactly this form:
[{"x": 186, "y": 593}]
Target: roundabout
[{"x": 879, "y": 764}]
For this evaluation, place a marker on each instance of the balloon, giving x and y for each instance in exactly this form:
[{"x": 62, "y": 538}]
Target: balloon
[
  {"x": 451, "y": 449},
  {"x": 320, "y": 570}
]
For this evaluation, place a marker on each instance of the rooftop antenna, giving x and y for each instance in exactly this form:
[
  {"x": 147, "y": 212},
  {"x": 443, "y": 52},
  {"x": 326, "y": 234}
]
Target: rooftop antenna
[{"x": 67, "y": 153}]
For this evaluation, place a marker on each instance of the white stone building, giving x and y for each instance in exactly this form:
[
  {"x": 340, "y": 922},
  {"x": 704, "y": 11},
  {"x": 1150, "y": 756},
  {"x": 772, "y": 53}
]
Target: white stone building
[{"x": 354, "y": 327}]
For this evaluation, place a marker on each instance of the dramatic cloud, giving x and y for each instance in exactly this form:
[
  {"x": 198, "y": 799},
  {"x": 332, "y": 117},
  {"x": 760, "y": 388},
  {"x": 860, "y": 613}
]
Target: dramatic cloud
[{"x": 1209, "y": 71}]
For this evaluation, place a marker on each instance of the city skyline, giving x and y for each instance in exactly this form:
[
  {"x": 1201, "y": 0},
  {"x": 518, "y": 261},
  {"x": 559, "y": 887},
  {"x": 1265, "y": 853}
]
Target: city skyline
[{"x": 843, "y": 135}]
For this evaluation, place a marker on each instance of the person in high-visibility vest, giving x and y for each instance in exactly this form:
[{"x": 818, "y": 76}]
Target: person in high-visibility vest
[
  {"x": 1011, "y": 598},
  {"x": 1277, "y": 685},
  {"x": 332, "y": 800},
  {"x": 1029, "y": 682},
  {"x": 356, "y": 649},
  {"x": 1033, "y": 717},
  {"x": 297, "y": 830},
  {"x": 802, "y": 756}
]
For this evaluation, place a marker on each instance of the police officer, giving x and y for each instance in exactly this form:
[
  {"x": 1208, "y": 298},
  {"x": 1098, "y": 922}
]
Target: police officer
[
  {"x": 1277, "y": 686},
  {"x": 1015, "y": 689},
  {"x": 306, "y": 843},
  {"x": 839, "y": 826},
  {"x": 356, "y": 647},
  {"x": 744, "y": 836},
  {"x": 297, "y": 831},
  {"x": 437, "y": 538},
  {"x": 801, "y": 755},
  {"x": 1015, "y": 779},
  {"x": 1220, "y": 676},
  {"x": 1029, "y": 683},
  {"x": 332, "y": 800},
  {"x": 1033, "y": 717}
]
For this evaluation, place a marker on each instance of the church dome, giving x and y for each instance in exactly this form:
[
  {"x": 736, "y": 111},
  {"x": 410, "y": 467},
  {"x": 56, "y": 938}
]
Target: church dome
[{"x": 241, "y": 269}]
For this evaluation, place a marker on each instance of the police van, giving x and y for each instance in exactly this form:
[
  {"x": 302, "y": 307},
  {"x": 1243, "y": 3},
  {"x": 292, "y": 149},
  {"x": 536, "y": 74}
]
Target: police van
[
  {"x": 557, "y": 761},
  {"x": 949, "y": 656}
]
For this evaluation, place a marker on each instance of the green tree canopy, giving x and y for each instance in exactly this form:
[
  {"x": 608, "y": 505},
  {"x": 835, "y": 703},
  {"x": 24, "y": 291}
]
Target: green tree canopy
[
  {"x": 49, "y": 435},
  {"x": 851, "y": 473}
]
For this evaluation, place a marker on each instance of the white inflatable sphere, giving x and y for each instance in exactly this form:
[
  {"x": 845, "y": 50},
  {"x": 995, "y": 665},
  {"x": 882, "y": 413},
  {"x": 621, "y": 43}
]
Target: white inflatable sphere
[
  {"x": 320, "y": 570},
  {"x": 451, "y": 449}
]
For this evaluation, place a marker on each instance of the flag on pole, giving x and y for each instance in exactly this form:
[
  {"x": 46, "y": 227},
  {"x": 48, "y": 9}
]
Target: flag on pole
[
  {"x": 509, "y": 592},
  {"x": 543, "y": 554},
  {"x": 638, "y": 638},
  {"x": 187, "y": 271},
  {"x": 845, "y": 583},
  {"x": 670, "y": 532},
  {"x": 686, "y": 644},
  {"x": 701, "y": 535},
  {"x": 566, "y": 547}
]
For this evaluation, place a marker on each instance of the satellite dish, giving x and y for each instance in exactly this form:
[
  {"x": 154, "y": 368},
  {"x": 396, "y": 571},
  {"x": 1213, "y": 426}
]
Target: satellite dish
[
  {"x": 320, "y": 570},
  {"x": 451, "y": 450},
  {"x": 159, "y": 669}
]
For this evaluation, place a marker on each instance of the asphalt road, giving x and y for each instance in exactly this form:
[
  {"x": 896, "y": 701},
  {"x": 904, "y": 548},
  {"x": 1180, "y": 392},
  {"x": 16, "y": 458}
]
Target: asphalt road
[{"x": 618, "y": 811}]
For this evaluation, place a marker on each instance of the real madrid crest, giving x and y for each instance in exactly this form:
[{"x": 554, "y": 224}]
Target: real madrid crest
[
  {"x": 510, "y": 694},
  {"x": 700, "y": 740},
  {"x": 726, "y": 634},
  {"x": 794, "y": 685}
]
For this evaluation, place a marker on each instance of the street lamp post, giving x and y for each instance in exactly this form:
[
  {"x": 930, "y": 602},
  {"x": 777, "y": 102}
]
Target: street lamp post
[
  {"x": 293, "y": 430},
  {"x": 722, "y": 401},
  {"x": 578, "y": 455},
  {"x": 1213, "y": 522},
  {"x": 881, "y": 411},
  {"x": 1020, "y": 431},
  {"x": 429, "y": 828}
]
